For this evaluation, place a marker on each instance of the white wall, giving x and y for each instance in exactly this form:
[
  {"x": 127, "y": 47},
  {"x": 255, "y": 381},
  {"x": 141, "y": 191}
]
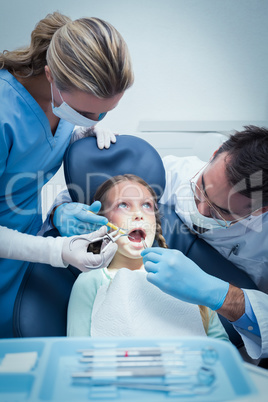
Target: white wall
[{"x": 193, "y": 59}]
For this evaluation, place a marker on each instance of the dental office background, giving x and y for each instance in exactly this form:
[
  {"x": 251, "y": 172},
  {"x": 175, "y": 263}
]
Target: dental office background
[{"x": 194, "y": 60}]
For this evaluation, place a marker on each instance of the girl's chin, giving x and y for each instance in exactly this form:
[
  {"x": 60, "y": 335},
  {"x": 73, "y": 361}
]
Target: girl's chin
[
  {"x": 136, "y": 245},
  {"x": 133, "y": 249}
]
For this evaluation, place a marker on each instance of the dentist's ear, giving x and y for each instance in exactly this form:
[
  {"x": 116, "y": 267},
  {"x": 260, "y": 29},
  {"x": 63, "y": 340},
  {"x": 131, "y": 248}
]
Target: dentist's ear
[{"x": 213, "y": 155}]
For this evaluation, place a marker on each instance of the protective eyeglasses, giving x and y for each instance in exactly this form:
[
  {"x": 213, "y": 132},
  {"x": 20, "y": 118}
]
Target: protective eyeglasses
[{"x": 200, "y": 195}]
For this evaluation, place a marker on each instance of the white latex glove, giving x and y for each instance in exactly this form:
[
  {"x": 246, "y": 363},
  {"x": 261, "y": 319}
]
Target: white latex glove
[
  {"x": 78, "y": 256},
  {"x": 104, "y": 136}
]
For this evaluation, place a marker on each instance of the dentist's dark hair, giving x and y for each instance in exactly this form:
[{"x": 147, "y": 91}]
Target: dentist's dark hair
[{"x": 247, "y": 162}]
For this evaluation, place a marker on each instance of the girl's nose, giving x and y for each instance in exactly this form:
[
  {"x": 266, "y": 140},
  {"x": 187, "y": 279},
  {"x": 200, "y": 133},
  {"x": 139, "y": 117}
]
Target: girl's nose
[{"x": 138, "y": 215}]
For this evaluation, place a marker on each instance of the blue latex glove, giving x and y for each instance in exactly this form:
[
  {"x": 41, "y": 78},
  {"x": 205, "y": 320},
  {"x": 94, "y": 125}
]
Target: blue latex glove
[
  {"x": 175, "y": 274},
  {"x": 73, "y": 219}
]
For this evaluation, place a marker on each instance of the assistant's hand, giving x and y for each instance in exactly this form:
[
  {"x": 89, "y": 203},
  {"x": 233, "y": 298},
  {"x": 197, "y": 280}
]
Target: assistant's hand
[
  {"x": 104, "y": 136},
  {"x": 73, "y": 219},
  {"x": 175, "y": 274},
  {"x": 78, "y": 256}
]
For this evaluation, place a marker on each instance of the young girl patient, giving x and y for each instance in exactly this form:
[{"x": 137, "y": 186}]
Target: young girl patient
[{"x": 118, "y": 300}]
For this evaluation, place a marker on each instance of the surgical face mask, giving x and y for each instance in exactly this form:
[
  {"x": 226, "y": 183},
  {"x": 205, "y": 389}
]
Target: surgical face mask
[
  {"x": 202, "y": 221},
  {"x": 67, "y": 113}
]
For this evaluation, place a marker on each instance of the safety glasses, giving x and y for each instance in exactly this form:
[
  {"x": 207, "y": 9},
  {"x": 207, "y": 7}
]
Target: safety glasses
[{"x": 200, "y": 195}]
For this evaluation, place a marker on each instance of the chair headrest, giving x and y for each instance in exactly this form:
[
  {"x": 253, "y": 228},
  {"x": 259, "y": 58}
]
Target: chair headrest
[{"x": 86, "y": 167}]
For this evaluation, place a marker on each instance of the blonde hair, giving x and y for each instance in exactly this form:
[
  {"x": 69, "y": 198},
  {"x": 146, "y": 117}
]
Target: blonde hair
[
  {"x": 206, "y": 315},
  {"x": 86, "y": 54}
]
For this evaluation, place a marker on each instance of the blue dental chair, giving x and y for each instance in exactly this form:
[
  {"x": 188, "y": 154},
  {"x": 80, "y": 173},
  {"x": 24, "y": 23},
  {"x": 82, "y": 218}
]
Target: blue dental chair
[{"x": 41, "y": 304}]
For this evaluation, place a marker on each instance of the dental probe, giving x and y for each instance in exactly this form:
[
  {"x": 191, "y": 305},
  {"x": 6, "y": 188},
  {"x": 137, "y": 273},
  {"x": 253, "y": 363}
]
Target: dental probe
[
  {"x": 111, "y": 225},
  {"x": 144, "y": 243}
]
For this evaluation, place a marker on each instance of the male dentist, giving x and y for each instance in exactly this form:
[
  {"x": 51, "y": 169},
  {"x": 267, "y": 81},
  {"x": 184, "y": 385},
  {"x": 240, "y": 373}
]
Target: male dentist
[{"x": 224, "y": 201}]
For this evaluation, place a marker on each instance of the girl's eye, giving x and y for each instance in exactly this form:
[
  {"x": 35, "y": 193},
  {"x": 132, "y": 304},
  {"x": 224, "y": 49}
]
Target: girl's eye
[
  {"x": 147, "y": 205},
  {"x": 122, "y": 205}
]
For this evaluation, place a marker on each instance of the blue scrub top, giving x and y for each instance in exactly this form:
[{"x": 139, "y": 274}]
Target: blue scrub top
[{"x": 29, "y": 156}]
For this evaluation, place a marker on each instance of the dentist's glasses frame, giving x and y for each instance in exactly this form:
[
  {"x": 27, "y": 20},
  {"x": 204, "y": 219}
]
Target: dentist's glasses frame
[{"x": 200, "y": 195}]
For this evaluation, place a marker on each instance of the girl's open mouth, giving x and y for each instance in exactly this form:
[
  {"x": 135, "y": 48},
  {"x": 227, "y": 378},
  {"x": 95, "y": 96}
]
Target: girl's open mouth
[{"x": 136, "y": 235}]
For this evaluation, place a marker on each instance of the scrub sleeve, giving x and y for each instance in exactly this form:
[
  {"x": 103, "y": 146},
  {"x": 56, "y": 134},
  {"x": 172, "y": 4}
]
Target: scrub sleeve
[{"x": 29, "y": 157}]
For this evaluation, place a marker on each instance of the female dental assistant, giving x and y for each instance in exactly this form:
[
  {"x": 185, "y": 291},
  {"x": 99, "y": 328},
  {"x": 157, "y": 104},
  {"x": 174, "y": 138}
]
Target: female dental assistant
[{"x": 72, "y": 73}]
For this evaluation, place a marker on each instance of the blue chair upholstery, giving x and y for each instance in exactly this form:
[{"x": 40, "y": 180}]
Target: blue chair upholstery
[
  {"x": 41, "y": 304},
  {"x": 86, "y": 166},
  {"x": 42, "y": 301}
]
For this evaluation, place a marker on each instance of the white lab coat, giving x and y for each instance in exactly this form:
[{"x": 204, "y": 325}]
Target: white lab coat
[{"x": 245, "y": 244}]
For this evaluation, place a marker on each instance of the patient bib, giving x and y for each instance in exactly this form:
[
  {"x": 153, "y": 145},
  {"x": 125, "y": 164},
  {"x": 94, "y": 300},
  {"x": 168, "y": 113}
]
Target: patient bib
[{"x": 130, "y": 306}]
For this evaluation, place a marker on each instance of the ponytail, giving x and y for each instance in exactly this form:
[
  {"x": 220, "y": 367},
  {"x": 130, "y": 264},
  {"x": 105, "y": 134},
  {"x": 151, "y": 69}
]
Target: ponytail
[
  {"x": 30, "y": 61},
  {"x": 87, "y": 54}
]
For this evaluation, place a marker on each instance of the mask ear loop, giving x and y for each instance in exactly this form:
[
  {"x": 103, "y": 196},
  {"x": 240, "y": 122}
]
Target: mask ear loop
[
  {"x": 52, "y": 97},
  {"x": 60, "y": 94}
]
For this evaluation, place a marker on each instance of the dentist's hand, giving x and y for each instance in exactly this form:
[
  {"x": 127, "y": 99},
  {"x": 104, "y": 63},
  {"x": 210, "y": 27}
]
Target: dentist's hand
[
  {"x": 77, "y": 255},
  {"x": 74, "y": 219},
  {"x": 175, "y": 274}
]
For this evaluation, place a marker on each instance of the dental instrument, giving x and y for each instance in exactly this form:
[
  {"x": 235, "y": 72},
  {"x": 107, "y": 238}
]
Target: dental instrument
[
  {"x": 108, "y": 237},
  {"x": 166, "y": 369},
  {"x": 144, "y": 243},
  {"x": 120, "y": 230},
  {"x": 129, "y": 363},
  {"x": 134, "y": 372},
  {"x": 136, "y": 351},
  {"x": 111, "y": 225},
  {"x": 208, "y": 355},
  {"x": 191, "y": 389},
  {"x": 162, "y": 378}
]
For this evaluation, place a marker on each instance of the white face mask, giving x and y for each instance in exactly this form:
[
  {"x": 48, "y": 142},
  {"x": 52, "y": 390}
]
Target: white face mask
[
  {"x": 202, "y": 221},
  {"x": 65, "y": 112}
]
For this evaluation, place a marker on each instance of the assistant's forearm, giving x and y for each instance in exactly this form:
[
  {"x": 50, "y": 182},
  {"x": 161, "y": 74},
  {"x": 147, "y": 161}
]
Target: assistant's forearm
[
  {"x": 234, "y": 304},
  {"x": 21, "y": 246}
]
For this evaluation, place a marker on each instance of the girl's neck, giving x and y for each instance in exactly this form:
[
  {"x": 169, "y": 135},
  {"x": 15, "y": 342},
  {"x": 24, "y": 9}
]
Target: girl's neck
[{"x": 121, "y": 261}]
